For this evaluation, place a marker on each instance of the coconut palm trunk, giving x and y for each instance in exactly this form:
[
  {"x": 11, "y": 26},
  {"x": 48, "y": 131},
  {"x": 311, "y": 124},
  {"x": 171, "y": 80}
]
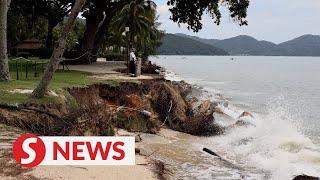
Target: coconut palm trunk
[
  {"x": 4, "y": 66},
  {"x": 138, "y": 67},
  {"x": 60, "y": 46}
]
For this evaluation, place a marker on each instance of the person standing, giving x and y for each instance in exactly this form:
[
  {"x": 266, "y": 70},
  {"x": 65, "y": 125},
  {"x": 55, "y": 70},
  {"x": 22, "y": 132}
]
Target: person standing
[{"x": 133, "y": 60}]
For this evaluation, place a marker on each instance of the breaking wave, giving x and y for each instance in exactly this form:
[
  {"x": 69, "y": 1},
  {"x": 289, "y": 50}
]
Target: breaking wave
[
  {"x": 270, "y": 146},
  {"x": 271, "y": 142}
]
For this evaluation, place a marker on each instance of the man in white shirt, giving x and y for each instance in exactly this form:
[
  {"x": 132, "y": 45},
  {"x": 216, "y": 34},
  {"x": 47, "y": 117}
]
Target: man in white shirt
[{"x": 133, "y": 60}]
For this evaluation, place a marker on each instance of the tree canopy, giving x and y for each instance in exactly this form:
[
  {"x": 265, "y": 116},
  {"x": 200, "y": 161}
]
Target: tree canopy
[
  {"x": 190, "y": 12},
  {"x": 106, "y": 18}
]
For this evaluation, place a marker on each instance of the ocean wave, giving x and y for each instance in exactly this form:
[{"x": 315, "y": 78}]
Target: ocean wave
[{"x": 272, "y": 143}]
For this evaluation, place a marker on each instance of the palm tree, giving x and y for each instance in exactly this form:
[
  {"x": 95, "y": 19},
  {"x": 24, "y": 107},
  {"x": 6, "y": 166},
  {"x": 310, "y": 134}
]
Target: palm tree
[
  {"x": 152, "y": 40},
  {"x": 138, "y": 17}
]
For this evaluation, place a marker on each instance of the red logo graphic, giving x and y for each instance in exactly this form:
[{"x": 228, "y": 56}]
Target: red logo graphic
[{"x": 29, "y": 150}]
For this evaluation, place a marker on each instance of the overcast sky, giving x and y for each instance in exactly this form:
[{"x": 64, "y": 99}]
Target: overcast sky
[{"x": 272, "y": 20}]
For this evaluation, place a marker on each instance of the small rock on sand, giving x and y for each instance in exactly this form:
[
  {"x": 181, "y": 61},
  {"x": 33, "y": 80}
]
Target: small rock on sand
[
  {"x": 305, "y": 177},
  {"x": 246, "y": 114},
  {"x": 138, "y": 138}
]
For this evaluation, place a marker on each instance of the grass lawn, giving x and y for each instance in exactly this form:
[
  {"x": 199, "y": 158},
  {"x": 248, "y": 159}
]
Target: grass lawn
[{"x": 62, "y": 79}]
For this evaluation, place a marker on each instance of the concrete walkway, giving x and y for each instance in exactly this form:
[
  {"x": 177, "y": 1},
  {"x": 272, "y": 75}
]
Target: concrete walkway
[
  {"x": 100, "y": 67},
  {"x": 105, "y": 70}
]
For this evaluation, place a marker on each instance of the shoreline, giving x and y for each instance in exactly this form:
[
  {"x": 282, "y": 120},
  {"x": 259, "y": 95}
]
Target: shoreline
[
  {"x": 165, "y": 135},
  {"x": 16, "y": 116},
  {"x": 144, "y": 168},
  {"x": 162, "y": 151},
  {"x": 248, "y": 135}
]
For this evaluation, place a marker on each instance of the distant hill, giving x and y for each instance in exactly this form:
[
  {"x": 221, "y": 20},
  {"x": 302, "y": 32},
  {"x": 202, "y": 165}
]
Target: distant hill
[
  {"x": 178, "y": 45},
  {"x": 206, "y": 41},
  {"x": 307, "y": 45},
  {"x": 247, "y": 45}
]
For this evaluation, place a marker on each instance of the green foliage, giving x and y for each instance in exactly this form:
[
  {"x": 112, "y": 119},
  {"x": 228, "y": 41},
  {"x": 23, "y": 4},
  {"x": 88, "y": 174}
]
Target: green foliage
[
  {"x": 142, "y": 22},
  {"x": 44, "y": 53},
  {"x": 19, "y": 28},
  {"x": 36, "y": 18},
  {"x": 19, "y": 98},
  {"x": 115, "y": 57},
  {"x": 23, "y": 54},
  {"x": 74, "y": 35},
  {"x": 62, "y": 79},
  {"x": 134, "y": 123},
  {"x": 190, "y": 12}
]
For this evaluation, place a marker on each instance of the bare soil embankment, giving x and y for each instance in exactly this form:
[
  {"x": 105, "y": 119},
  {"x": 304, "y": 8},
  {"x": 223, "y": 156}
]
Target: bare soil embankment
[{"x": 143, "y": 106}]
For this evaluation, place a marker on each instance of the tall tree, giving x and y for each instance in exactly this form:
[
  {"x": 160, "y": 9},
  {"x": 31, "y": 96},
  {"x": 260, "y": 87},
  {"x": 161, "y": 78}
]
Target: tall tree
[
  {"x": 137, "y": 17},
  {"x": 4, "y": 66},
  {"x": 98, "y": 16},
  {"x": 53, "y": 11},
  {"x": 94, "y": 14},
  {"x": 150, "y": 44},
  {"x": 188, "y": 12},
  {"x": 42, "y": 88},
  {"x": 141, "y": 19}
]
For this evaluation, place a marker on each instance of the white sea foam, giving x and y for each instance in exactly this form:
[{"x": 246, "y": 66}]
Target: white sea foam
[
  {"x": 277, "y": 144},
  {"x": 170, "y": 75},
  {"x": 273, "y": 144}
]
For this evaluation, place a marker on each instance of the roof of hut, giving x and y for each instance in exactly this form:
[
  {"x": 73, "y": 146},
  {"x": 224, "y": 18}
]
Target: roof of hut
[{"x": 29, "y": 44}]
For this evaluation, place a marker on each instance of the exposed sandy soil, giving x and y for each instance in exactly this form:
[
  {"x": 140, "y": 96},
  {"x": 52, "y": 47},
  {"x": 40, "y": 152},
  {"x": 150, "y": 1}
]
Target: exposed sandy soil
[
  {"x": 137, "y": 172},
  {"x": 142, "y": 169}
]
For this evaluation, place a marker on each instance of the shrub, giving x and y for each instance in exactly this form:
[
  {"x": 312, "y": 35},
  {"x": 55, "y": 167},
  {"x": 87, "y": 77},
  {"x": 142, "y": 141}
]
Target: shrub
[
  {"x": 45, "y": 53},
  {"x": 71, "y": 54},
  {"x": 23, "y": 54},
  {"x": 115, "y": 57}
]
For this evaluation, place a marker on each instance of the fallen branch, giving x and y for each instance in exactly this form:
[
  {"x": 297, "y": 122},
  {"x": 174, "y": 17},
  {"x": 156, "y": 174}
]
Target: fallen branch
[
  {"x": 222, "y": 159},
  {"x": 211, "y": 152},
  {"x": 165, "y": 121}
]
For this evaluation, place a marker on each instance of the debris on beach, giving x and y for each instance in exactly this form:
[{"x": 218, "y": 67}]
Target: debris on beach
[
  {"x": 245, "y": 114},
  {"x": 305, "y": 177}
]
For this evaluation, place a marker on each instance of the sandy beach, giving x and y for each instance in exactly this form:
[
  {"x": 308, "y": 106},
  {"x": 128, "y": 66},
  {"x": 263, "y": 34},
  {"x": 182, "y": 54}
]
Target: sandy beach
[
  {"x": 9, "y": 170},
  {"x": 140, "y": 171}
]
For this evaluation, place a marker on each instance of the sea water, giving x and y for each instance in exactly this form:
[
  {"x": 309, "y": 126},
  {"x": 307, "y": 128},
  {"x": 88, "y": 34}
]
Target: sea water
[{"x": 282, "y": 93}]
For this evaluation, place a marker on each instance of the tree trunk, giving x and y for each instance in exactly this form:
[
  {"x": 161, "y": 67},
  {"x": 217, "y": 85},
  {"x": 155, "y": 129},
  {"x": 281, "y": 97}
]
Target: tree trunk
[
  {"x": 95, "y": 32},
  {"x": 42, "y": 88},
  {"x": 4, "y": 66},
  {"x": 138, "y": 67},
  {"x": 100, "y": 37},
  {"x": 87, "y": 43}
]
